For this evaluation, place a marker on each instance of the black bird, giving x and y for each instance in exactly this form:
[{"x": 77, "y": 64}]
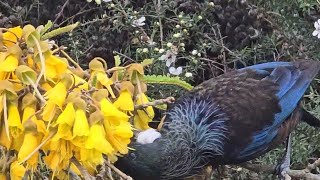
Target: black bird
[{"x": 229, "y": 119}]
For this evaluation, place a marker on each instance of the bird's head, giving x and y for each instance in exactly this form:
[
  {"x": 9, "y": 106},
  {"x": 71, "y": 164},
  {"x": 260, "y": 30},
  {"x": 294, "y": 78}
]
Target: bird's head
[{"x": 144, "y": 161}]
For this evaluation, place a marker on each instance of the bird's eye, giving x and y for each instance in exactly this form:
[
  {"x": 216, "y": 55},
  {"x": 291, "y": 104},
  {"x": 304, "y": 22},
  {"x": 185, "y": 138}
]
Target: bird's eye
[{"x": 133, "y": 156}]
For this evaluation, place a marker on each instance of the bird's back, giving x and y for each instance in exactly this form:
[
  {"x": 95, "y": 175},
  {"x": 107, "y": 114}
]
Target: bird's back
[{"x": 246, "y": 110}]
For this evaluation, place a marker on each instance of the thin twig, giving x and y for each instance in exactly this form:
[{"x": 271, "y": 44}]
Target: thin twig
[
  {"x": 270, "y": 169},
  {"x": 155, "y": 103},
  {"x": 61, "y": 11},
  {"x": 83, "y": 170},
  {"x": 120, "y": 173}
]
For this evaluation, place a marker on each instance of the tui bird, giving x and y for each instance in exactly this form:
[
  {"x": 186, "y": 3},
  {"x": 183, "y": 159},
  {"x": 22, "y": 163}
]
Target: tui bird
[{"x": 229, "y": 119}]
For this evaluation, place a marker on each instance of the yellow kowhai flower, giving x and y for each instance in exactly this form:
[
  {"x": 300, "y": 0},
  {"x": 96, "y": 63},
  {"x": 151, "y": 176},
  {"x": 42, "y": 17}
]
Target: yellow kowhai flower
[
  {"x": 3, "y": 176},
  {"x": 30, "y": 143},
  {"x": 143, "y": 117},
  {"x": 119, "y": 136},
  {"x": 56, "y": 97},
  {"x": 96, "y": 140},
  {"x": 4, "y": 141},
  {"x": 103, "y": 79},
  {"x": 78, "y": 80},
  {"x": 98, "y": 74},
  {"x": 9, "y": 64},
  {"x": 14, "y": 121},
  {"x": 55, "y": 66},
  {"x": 111, "y": 113},
  {"x": 17, "y": 171},
  {"x": 65, "y": 123},
  {"x": 81, "y": 128},
  {"x": 124, "y": 101},
  {"x": 60, "y": 155},
  {"x": 12, "y": 35},
  {"x": 29, "y": 103},
  {"x": 92, "y": 157}
]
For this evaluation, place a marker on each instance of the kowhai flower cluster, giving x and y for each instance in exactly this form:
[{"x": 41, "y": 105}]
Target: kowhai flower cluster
[{"x": 53, "y": 111}]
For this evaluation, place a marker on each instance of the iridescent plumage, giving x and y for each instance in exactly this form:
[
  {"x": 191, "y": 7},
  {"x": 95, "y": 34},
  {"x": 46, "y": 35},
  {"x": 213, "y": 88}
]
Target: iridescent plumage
[{"x": 229, "y": 119}]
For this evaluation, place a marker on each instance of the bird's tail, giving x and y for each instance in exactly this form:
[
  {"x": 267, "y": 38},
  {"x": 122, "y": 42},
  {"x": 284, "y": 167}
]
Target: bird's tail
[{"x": 310, "y": 119}]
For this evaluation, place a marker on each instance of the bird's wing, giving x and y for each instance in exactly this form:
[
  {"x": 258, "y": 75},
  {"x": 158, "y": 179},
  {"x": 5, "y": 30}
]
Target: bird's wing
[
  {"x": 257, "y": 100},
  {"x": 293, "y": 80}
]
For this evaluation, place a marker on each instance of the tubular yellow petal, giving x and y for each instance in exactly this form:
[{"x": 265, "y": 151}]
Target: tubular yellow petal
[
  {"x": 143, "y": 117},
  {"x": 3, "y": 176},
  {"x": 64, "y": 132},
  {"x": 124, "y": 102},
  {"x": 57, "y": 94},
  {"x": 9, "y": 64},
  {"x": 105, "y": 81},
  {"x": 30, "y": 143},
  {"x": 49, "y": 111},
  {"x": 81, "y": 125},
  {"x": 96, "y": 140},
  {"x": 28, "y": 112},
  {"x": 91, "y": 156},
  {"x": 142, "y": 99},
  {"x": 119, "y": 136},
  {"x": 80, "y": 128},
  {"x": 67, "y": 116},
  {"x": 17, "y": 171},
  {"x": 53, "y": 160},
  {"x": 46, "y": 86},
  {"x": 11, "y": 37},
  {"x": 14, "y": 120},
  {"x": 55, "y": 66},
  {"x": 140, "y": 123},
  {"x": 4, "y": 141},
  {"x": 109, "y": 110}
]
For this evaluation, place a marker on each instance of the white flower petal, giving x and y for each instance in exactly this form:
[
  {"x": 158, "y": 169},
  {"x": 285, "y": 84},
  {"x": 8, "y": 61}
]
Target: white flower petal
[
  {"x": 175, "y": 71},
  {"x": 106, "y": 1},
  {"x": 163, "y": 57},
  {"x": 168, "y": 63},
  {"x": 179, "y": 70},
  {"x": 188, "y": 74},
  {"x": 315, "y": 33},
  {"x": 139, "y": 22},
  {"x": 319, "y": 21},
  {"x": 319, "y": 36}
]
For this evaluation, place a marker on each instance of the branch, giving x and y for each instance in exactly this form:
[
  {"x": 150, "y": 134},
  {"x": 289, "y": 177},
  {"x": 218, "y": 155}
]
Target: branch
[
  {"x": 120, "y": 173},
  {"x": 83, "y": 170},
  {"x": 155, "y": 103},
  {"x": 303, "y": 173}
]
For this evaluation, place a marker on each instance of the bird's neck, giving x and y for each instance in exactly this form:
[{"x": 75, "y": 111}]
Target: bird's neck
[{"x": 193, "y": 135}]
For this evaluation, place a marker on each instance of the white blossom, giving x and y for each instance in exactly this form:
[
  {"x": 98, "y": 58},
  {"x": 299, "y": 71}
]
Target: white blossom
[
  {"x": 176, "y": 35},
  {"x": 175, "y": 71},
  {"x": 139, "y": 22},
  {"x": 194, "y": 52},
  {"x": 317, "y": 31},
  {"x": 161, "y": 51},
  {"x": 188, "y": 74},
  {"x": 169, "y": 44},
  {"x": 169, "y": 57},
  {"x": 145, "y": 50},
  {"x": 106, "y": 1}
]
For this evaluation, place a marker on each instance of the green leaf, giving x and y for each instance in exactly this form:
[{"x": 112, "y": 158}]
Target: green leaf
[
  {"x": 59, "y": 31},
  {"x": 46, "y": 27},
  {"x": 147, "y": 62},
  {"x": 30, "y": 35},
  {"x": 159, "y": 79},
  {"x": 117, "y": 60},
  {"x": 26, "y": 75}
]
